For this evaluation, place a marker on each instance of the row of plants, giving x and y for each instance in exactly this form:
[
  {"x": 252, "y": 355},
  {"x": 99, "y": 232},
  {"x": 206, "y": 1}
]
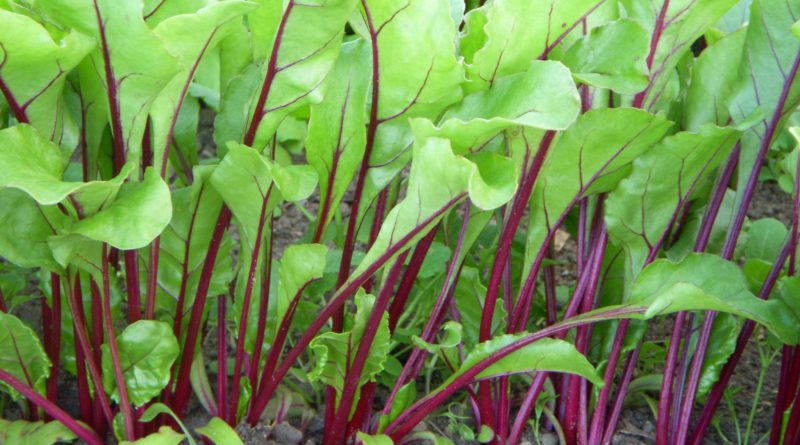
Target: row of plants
[{"x": 440, "y": 152}]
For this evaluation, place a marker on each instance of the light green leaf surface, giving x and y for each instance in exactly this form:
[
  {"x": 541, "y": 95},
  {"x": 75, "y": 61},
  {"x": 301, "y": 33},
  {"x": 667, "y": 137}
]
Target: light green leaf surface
[
  {"x": 333, "y": 351},
  {"x": 21, "y": 432},
  {"x": 518, "y": 31},
  {"x": 188, "y": 38},
  {"x": 588, "y": 158},
  {"x": 303, "y": 56},
  {"x": 543, "y": 97},
  {"x": 220, "y": 432},
  {"x": 611, "y": 56},
  {"x": 438, "y": 180},
  {"x": 684, "y": 21},
  {"x": 663, "y": 180},
  {"x": 129, "y": 42},
  {"x": 336, "y": 128},
  {"x": 34, "y": 67}
]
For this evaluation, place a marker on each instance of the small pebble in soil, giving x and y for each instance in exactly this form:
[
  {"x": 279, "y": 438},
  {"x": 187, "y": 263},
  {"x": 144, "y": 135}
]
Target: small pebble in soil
[{"x": 286, "y": 434}]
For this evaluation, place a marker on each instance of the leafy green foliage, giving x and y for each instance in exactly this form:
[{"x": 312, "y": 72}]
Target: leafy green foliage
[
  {"x": 500, "y": 175},
  {"x": 21, "y": 432},
  {"x": 23, "y": 357},
  {"x": 147, "y": 351}
]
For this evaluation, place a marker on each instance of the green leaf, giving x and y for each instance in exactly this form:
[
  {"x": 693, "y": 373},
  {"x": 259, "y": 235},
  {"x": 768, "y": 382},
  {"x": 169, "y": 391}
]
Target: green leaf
[
  {"x": 374, "y": 439},
  {"x": 30, "y": 163},
  {"x": 220, "y": 432},
  {"x": 34, "y": 68},
  {"x": 188, "y": 37},
  {"x": 437, "y": 181},
  {"x": 722, "y": 343},
  {"x": 770, "y": 50},
  {"x": 451, "y": 339},
  {"x": 164, "y": 436},
  {"x": 765, "y": 239},
  {"x": 587, "y": 158},
  {"x": 423, "y": 85},
  {"x": 542, "y": 97},
  {"x": 684, "y": 22},
  {"x": 300, "y": 264},
  {"x": 333, "y": 351},
  {"x": 156, "y": 11},
  {"x": 138, "y": 215},
  {"x": 707, "y": 282},
  {"x": 21, "y": 432},
  {"x": 518, "y": 31},
  {"x": 129, "y": 43},
  {"x": 789, "y": 293},
  {"x": 547, "y": 354},
  {"x": 25, "y": 227},
  {"x": 662, "y": 181},
  {"x": 713, "y": 76},
  {"x": 611, "y": 56},
  {"x": 303, "y": 55},
  {"x": 22, "y": 356},
  {"x": 336, "y": 129},
  {"x": 245, "y": 181},
  {"x": 432, "y": 438},
  {"x": 159, "y": 408},
  {"x": 485, "y": 435},
  {"x": 470, "y": 298},
  {"x": 147, "y": 350},
  {"x": 186, "y": 240}
]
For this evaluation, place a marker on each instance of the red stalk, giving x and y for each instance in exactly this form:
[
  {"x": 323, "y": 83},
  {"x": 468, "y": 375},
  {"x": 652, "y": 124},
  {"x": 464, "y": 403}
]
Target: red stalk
[
  {"x": 407, "y": 282},
  {"x": 55, "y": 336},
  {"x": 731, "y": 241},
  {"x": 84, "y": 397},
  {"x": 408, "y": 419},
  {"x": 108, "y": 322},
  {"x": 266, "y": 277},
  {"x": 222, "y": 358},
  {"x": 274, "y": 352},
  {"x": 351, "y": 382},
  {"x": 132, "y": 284},
  {"x": 416, "y": 359},
  {"x": 518, "y": 206},
  {"x": 658, "y": 30},
  {"x": 270, "y": 381},
  {"x": 248, "y": 293},
  {"x": 180, "y": 395},
  {"x": 103, "y": 407},
  {"x": 352, "y": 220},
  {"x": 51, "y": 409}
]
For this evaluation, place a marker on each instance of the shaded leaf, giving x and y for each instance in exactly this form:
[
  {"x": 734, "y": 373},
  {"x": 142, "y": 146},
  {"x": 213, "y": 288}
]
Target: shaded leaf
[
  {"x": 22, "y": 356},
  {"x": 147, "y": 350},
  {"x": 707, "y": 282}
]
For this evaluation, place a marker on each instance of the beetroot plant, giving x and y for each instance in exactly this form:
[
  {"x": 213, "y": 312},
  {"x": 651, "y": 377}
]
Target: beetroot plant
[{"x": 518, "y": 215}]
